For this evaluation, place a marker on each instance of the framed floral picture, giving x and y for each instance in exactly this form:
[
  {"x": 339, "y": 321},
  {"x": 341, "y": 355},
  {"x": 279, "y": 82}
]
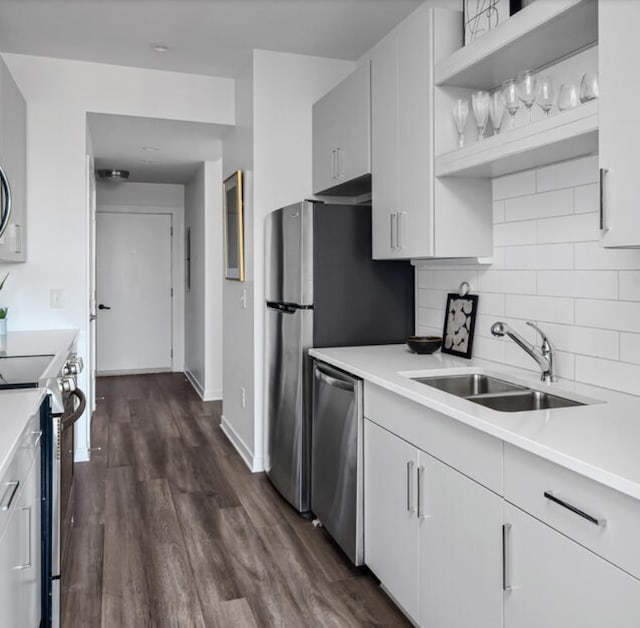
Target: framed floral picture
[
  {"x": 233, "y": 227},
  {"x": 459, "y": 324},
  {"x": 480, "y": 16}
]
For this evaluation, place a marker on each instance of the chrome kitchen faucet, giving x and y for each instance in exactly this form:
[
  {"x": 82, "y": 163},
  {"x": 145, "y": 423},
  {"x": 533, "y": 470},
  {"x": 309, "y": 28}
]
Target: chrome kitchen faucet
[{"x": 543, "y": 356}]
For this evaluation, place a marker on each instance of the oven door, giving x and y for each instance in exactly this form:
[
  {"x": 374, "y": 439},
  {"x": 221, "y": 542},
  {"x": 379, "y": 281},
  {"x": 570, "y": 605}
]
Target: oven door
[{"x": 61, "y": 492}]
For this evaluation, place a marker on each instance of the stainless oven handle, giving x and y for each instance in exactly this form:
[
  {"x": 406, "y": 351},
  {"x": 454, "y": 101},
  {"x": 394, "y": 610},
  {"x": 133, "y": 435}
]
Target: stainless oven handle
[
  {"x": 12, "y": 487},
  {"x": 68, "y": 421},
  {"x": 6, "y": 210}
]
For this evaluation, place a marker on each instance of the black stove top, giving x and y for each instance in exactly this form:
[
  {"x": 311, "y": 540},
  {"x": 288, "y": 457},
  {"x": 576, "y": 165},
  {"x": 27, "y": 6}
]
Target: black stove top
[{"x": 22, "y": 371}]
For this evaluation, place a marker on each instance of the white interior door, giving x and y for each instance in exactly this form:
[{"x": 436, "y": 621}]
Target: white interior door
[
  {"x": 134, "y": 281},
  {"x": 91, "y": 205}
]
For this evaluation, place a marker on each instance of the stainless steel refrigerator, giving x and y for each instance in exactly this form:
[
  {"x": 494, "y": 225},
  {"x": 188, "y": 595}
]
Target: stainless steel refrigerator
[{"x": 322, "y": 290}]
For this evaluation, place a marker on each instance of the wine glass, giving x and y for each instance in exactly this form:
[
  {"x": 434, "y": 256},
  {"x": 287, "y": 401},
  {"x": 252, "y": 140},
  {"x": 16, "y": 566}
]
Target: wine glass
[
  {"x": 496, "y": 110},
  {"x": 568, "y": 96},
  {"x": 480, "y": 105},
  {"x": 511, "y": 99},
  {"x": 545, "y": 93},
  {"x": 589, "y": 88},
  {"x": 460, "y": 115},
  {"x": 527, "y": 89}
]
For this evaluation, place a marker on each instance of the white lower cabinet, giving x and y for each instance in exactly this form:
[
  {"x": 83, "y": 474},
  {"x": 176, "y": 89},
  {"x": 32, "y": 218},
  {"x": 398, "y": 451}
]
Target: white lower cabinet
[
  {"x": 20, "y": 555},
  {"x": 553, "y": 582},
  {"x": 432, "y": 535}
]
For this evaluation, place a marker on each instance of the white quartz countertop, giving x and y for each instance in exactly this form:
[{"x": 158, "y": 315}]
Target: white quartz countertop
[
  {"x": 17, "y": 406},
  {"x": 600, "y": 440}
]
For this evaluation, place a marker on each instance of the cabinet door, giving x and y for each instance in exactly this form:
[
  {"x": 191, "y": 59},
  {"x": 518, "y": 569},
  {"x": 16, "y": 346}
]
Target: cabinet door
[
  {"x": 619, "y": 121},
  {"x": 557, "y": 583},
  {"x": 384, "y": 148},
  {"x": 10, "y": 556},
  {"x": 460, "y": 549},
  {"x": 391, "y": 531},
  {"x": 13, "y": 158},
  {"x": 341, "y": 132},
  {"x": 29, "y": 512}
]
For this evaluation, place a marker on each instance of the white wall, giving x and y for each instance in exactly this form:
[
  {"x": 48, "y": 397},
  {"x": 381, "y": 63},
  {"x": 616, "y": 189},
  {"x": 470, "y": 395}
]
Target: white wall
[
  {"x": 162, "y": 198},
  {"x": 59, "y": 94},
  {"x": 273, "y": 144},
  {"x": 549, "y": 268},
  {"x": 203, "y": 302}
]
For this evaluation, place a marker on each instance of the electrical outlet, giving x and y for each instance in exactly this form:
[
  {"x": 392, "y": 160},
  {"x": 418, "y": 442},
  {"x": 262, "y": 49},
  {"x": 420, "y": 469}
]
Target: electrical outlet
[
  {"x": 57, "y": 299},
  {"x": 243, "y": 396}
]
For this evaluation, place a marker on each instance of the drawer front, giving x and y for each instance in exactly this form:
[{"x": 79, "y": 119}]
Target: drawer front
[
  {"x": 600, "y": 518},
  {"x": 473, "y": 453},
  {"x": 16, "y": 471}
]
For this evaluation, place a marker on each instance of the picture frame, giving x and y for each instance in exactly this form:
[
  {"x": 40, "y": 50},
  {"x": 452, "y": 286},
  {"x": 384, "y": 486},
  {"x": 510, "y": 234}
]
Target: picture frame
[
  {"x": 233, "y": 227},
  {"x": 481, "y": 16},
  {"x": 459, "y": 324}
]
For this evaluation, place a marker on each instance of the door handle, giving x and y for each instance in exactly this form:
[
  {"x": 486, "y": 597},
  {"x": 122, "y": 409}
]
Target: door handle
[
  {"x": 410, "y": 465},
  {"x": 103, "y": 307},
  {"x": 420, "y": 505},
  {"x": 603, "y": 224},
  {"x": 506, "y": 528}
]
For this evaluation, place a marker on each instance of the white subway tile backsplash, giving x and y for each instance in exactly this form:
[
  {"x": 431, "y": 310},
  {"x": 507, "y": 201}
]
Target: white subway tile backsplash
[
  {"x": 550, "y": 268},
  {"x": 590, "y": 255},
  {"x": 616, "y": 315},
  {"x": 608, "y": 374},
  {"x": 556, "y": 203},
  {"x": 514, "y": 233},
  {"x": 511, "y": 185},
  {"x": 535, "y": 308},
  {"x": 539, "y": 257},
  {"x": 507, "y": 281},
  {"x": 498, "y": 212},
  {"x": 568, "y": 174},
  {"x": 587, "y": 199},
  {"x": 630, "y": 285},
  {"x": 630, "y": 348},
  {"x": 573, "y": 228},
  {"x": 589, "y": 284}
]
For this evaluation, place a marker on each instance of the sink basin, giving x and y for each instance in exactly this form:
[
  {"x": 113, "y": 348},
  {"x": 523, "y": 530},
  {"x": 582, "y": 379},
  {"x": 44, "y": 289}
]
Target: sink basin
[
  {"x": 470, "y": 384},
  {"x": 496, "y": 393},
  {"x": 525, "y": 401}
]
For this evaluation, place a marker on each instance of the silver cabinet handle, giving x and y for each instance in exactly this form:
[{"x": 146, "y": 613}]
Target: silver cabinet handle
[
  {"x": 26, "y": 565},
  {"x": 410, "y": 465},
  {"x": 506, "y": 528},
  {"x": 6, "y": 210},
  {"x": 9, "y": 494},
  {"x": 334, "y": 161},
  {"x": 420, "y": 512},
  {"x": 574, "y": 509},
  {"x": 338, "y": 164},
  {"x": 394, "y": 229},
  {"x": 603, "y": 226},
  {"x": 400, "y": 239}
]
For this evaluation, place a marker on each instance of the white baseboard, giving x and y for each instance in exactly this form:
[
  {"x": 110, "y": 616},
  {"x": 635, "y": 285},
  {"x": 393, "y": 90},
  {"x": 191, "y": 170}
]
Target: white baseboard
[
  {"x": 131, "y": 372},
  {"x": 254, "y": 464},
  {"x": 203, "y": 393}
]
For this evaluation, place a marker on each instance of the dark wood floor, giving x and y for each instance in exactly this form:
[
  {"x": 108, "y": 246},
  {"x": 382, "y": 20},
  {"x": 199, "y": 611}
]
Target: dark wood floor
[{"x": 172, "y": 530}]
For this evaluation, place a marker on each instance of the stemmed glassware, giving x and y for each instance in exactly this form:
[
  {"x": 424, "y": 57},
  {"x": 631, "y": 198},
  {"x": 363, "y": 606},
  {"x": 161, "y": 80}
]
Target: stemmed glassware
[
  {"x": 589, "y": 88},
  {"x": 527, "y": 89},
  {"x": 545, "y": 93},
  {"x": 511, "y": 99},
  {"x": 460, "y": 115},
  {"x": 480, "y": 105},
  {"x": 496, "y": 110}
]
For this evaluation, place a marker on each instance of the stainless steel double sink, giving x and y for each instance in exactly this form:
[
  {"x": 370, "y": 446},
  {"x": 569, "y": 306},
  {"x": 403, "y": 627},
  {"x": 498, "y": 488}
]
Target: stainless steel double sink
[{"x": 496, "y": 393}]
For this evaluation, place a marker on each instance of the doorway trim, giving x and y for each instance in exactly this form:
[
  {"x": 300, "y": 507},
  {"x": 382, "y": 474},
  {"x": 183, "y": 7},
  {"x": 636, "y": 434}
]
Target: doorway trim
[{"x": 177, "y": 269}]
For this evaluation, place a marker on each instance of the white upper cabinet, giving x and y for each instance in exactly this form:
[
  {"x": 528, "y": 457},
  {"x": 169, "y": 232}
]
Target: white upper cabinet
[
  {"x": 341, "y": 137},
  {"x": 13, "y": 159},
  {"x": 414, "y": 215},
  {"x": 619, "y": 123}
]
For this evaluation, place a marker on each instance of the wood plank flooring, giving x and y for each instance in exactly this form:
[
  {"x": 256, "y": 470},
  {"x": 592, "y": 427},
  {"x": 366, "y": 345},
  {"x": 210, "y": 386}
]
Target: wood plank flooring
[{"x": 172, "y": 530}]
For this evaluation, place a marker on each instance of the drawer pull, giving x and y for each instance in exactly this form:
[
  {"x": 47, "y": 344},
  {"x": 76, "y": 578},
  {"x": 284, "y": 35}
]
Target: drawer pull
[
  {"x": 410, "y": 465},
  {"x": 9, "y": 494},
  {"x": 574, "y": 509},
  {"x": 506, "y": 527},
  {"x": 420, "y": 509}
]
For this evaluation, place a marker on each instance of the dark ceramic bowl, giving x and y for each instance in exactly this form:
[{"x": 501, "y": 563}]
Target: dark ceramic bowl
[{"x": 424, "y": 344}]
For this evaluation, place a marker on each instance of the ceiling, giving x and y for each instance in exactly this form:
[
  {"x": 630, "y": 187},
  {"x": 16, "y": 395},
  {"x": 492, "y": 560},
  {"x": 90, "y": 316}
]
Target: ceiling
[{"x": 212, "y": 37}]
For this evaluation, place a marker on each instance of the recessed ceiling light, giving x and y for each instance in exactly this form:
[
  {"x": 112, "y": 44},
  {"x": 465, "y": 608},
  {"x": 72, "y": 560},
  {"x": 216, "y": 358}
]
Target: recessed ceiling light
[
  {"x": 147, "y": 162},
  {"x": 160, "y": 47},
  {"x": 150, "y": 149}
]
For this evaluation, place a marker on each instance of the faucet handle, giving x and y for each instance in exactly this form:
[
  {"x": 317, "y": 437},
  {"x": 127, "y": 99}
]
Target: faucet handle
[{"x": 545, "y": 340}]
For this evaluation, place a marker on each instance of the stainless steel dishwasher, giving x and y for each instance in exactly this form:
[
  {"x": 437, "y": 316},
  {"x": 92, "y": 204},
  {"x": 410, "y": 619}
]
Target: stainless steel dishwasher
[{"x": 336, "y": 457}]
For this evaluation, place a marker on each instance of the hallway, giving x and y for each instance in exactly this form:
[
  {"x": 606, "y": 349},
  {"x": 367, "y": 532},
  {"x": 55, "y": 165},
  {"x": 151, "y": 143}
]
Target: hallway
[{"x": 172, "y": 530}]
